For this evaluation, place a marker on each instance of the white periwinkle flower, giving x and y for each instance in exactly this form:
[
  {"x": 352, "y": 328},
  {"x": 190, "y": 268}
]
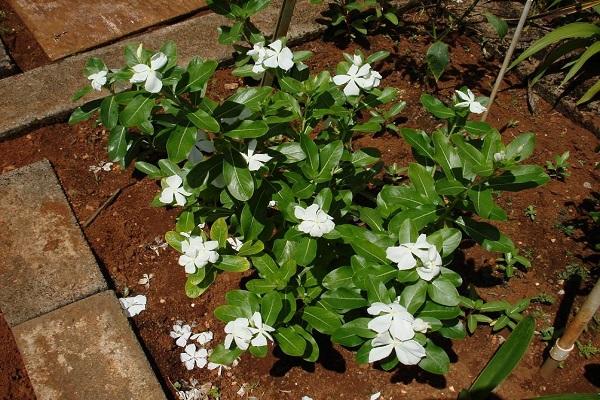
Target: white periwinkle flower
[
  {"x": 197, "y": 253},
  {"x": 468, "y": 100},
  {"x": 235, "y": 243},
  {"x": 193, "y": 357},
  {"x": 409, "y": 352},
  {"x": 260, "y": 331},
  {"x": 203, "y": 337},
  {"x": 149, "y": 73},
  {"x": 278, "y": 55},
  {"x": 173, "y": 191},
  {"x": 98, "y": 79},
  {"x": 133, "y": 305},
  {"x": 500, "y": 156},
  {"x": 420, "y": 326},
  {"x": 404, "y": 255},
  {"x": 258, "y": 53},
  {"x": 238, "y": 330},
  {"x": 255, "y": 160},
  {"x": 314, "y": 220},
  {"x": 202, "y": 145},
  {"x": 182, "y": 333},
  {"x": 431, "y": 264},
  {"x": 358, "y": 77},
  {"x": 393, "y": 318}
]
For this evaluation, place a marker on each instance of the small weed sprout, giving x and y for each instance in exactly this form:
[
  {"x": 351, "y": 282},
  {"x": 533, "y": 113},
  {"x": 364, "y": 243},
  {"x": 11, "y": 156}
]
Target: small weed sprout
[
  {"x": 587, "y": 350},
  {"x": 531, "y": 212},
  {"x": 543, "y": 298},
  {"x": 574, "y": 270},
  {"x": 558, "y": 169}
]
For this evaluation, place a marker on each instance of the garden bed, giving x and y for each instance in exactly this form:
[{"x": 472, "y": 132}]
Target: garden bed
[{"x": 123, "y": 238}]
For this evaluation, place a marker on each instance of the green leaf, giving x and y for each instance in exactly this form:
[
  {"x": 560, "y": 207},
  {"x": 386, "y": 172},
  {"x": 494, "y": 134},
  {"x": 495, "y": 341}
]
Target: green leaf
[
  {"x": 219, "y": 232},
  {"x": 329, "y": 156},
  {"x": 519, "y": 177},
  {"x": 423, "y": 182},
  {"x": 117, "y": 144},
  {"x": 590, "y": 93},
  {"x": 445, "y": 154},
  {"x": 436, "y": 360},
  {"x": 137, "y": 111},
  {"x": 233, "y": 263},
  {"x": 248, "y": 129},
  {"x": 203, "y": 120},
  {"x": 109, "y": 112},
  {"x": 574, "y": 30},
  {"x": 198, "y": 73},
  {"x": 265, "y": 265},
  {"x": 435, "y": 310},
  {"x": 221, "y": 355},
  {"x": 344, "y": 299},
  {"x": 419, "y": 139},
  {"x": 250, "y": 248},
  {"x": 181, "y": 141},
  {"x": 372, "y": 218},
  {"x": 443, "y": 292},
  {"x": 312, "y": 154},
  {"x": 237, "y": 176},
  {"x": 414, "y": 296},
  {"x": 322, "y": 320},
  {"x": 499, "y": 24},
  {"x": 504, "y": 361},
  {"x": 193, "y": 290},
  {"x": 339, "y": 278},
  {"x": 290, "y": 342},
  {"x": 306, "y": 251},
  {"x": 311, "y": 353},
  {"x": 437, "y": 59},
  {"x": 270, "y": 307}
]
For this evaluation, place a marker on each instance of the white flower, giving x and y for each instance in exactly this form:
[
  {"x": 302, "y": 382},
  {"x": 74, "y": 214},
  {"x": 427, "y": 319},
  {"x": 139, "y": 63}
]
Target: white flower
[
  {"x": 258, "y": 54},
  {"x": 393, "y": 318},
  {"x": 194, "y": 357},
  {"x": 203, "y": 337},
  {"x": 149, "y": 73},
  {"x": 197, "y": 253},
  {"x": 255, "y": 161},
  {"x": 133, "y": 305},
  {"x": 358, "y": 77},
  {"x": 409, "y": 352},
  {"x": 182, "y": 333},
  {"x": 278, "y": 55},
  {"x": 272, "y": 204},
  {"x": 500, "y": 156},
  {"x": 315, "y": 221},
  {"x": 432, "y": 261},
  {"x": 145, "y": 280},
  {"x": 375, "y": 396},
  {"x": 192, "y": 394},
  {"x": 235, "y": 243},
  {"x": 238, "y": 330},
  {"x": 468, "y": 100},
  {"x": 98, "y": 80},
  {"x": 219, "y": 367},
  {"x": 202, "y": 145},
  {"x": 173, "y": 191},
  {"x": 260, "y": 331},
  {"x": 306, "y": 398},
  {"x": 420, "y": 326},
  {"x": 403, "y": 255}
]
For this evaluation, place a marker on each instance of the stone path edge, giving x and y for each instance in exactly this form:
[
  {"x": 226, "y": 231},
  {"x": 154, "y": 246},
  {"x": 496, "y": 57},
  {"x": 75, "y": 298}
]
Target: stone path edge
[{"x": 43, "y": 95}]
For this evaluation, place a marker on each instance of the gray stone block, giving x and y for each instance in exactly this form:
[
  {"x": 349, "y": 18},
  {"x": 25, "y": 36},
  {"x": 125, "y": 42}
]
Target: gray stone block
[
  {"x": 45, "y": 262},
  {"x": 86, "y": 351},
  {"x": 7, "y": 67}
]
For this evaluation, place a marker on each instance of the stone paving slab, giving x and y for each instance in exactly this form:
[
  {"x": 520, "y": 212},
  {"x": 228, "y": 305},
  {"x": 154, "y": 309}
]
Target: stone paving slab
[
  {"x": 86, "y": 351},
  {"x": 43, "y": 95},
  {"x": 45, "y": 261},
  {"x": 64, "y": 27},
  {"x": 7, "y": 67}
]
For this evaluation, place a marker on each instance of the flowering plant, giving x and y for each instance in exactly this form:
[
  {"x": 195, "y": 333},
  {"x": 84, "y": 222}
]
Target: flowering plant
[{"x": 269, "y": 179}]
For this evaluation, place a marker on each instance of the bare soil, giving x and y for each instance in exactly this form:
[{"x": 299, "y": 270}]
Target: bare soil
[{"x": 122, "y": 235}]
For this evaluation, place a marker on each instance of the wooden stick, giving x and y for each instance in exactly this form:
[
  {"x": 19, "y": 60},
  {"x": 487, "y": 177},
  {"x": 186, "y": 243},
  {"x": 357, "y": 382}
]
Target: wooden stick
[
  {"x": 508, "y": 57},
  {"x": 108, "y": 202},
  {"x": 563, "y": 346},
  {"x": 281, "y": 30}
]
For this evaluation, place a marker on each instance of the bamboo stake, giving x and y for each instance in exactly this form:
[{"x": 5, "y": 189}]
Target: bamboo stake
[
  {"x": 508, "y": 56},
  {"x": 281, "y": 29},
  {"x": 565, "y": 344}
]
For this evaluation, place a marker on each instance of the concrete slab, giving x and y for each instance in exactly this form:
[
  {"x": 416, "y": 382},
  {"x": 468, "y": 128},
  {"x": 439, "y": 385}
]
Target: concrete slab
[
  {"x": 43, "y": 95},
  {"x": 64, "y": 27},
  {"x": 84, "y": 351},
  {"x": 45, "y": 261}
]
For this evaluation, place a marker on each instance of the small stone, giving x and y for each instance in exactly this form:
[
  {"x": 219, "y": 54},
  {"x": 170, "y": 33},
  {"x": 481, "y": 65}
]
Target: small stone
[
  {"x": 561, "y": 292},
  {"x": 537, "y": 284},
  {"x": 587, "y": 185},
  {"x": 162, "y": 301},
  {"x": 553, "y": 240},
  {"x": 451, "y": 388},
  {"x": 231, "y": 86},
  {"x": 193, "y": 305}
]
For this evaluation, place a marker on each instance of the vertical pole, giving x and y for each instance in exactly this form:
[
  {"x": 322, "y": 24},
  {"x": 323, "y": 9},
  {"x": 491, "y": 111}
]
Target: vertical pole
[
  {"x": 508, "y": 56},
  {"x": 563, "y": 346},
  {"x": 281, "y": 29}
]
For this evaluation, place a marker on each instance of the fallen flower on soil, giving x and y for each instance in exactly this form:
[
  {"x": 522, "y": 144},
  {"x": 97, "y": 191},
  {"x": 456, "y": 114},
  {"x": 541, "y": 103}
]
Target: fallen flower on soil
[
  {"x": 133, "y": 305},
  {"x": 193, "y": 357},
  {"x": 182, "y": 333},
  {"x": 145, "y": 280},
  {"x": 203, "y": 337}
]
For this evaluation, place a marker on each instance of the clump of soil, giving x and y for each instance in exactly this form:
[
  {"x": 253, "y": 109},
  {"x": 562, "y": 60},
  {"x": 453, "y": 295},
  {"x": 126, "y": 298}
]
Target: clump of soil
[
  {"x": 14, "y": 383},
  {"x": 124, "y": 239}
]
